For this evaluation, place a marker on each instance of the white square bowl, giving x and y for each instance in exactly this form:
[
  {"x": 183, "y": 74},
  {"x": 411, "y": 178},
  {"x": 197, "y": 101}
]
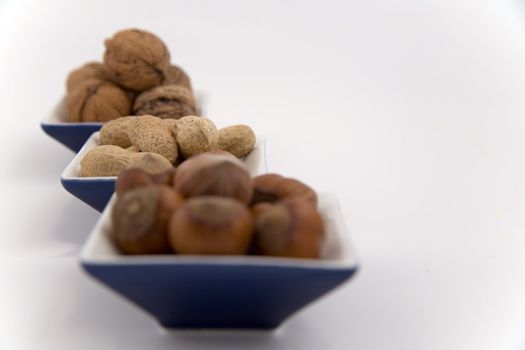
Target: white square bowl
[{"x": 217, "y": 292}]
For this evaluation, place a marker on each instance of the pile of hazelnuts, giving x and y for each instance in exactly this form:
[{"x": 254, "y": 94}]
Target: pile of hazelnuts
[{"x": 210, "y": 205}]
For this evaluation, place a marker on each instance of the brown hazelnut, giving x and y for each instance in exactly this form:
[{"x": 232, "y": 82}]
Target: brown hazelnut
[
  {"x": 292, "y": 228},
  {"x": 273, "y": 188},
  {"x": 95, "y": 100},
  {"x": 238, "y": 140},
  {"x": 211, "y": 225},
  {"x": 136, "y": 59},
  {"x": 165, "y": 101},
  {"x": 176, "y": 76},
  {"x": 91, "y": 70},
  {"x": 132, "y": 178},
  {"x": 141, "y": 217},
  {"x": 214, "y": 174}
]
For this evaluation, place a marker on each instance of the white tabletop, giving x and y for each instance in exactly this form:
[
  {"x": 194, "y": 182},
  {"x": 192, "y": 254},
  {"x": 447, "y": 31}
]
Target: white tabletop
[{"x": 412, "y": 112}]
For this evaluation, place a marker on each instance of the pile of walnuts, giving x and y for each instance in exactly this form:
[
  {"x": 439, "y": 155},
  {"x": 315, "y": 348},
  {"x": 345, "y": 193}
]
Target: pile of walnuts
[
  {"x": 135, "y": 78},
  {"x": 210, "y": 205}
]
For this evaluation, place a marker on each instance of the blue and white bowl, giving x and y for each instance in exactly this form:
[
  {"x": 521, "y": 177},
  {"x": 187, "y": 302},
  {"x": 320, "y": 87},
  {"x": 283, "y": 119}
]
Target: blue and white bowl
[
  {"x": 222, "y": 292},
  {"x": 96, "y": 191},
  {"x": 72, "y": 135}
]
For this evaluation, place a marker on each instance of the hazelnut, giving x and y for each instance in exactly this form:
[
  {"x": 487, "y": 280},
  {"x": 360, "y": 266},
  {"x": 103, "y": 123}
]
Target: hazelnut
[
  {"x": 91, "y": 70},
  {"x": 292, "y": 228},
  {"x": 151, "y": 135},
  {"x": 136, "y": 59},
  {"x": 211, "y": 225},
  {"x": 132, "y": 178},
  {"x": 141, "y": 217},
  {"x": 165, "y": 101},
  {"x": 195, "y": 135},
  {"x": 273, "y": 188},
  {"x": 214, "y": 174},
  {"x": 115, "y": 132},
  {"x": 95, "y": 100},
  {"x": 239, "y": 140},
  {"x": 176, "y": 76}
]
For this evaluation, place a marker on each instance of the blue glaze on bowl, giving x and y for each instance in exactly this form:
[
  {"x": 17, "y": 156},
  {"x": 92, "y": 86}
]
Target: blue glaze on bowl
[
  {"x": 218, "y": 292},
  {"x": 96, "y": 191},
  {"x": 72, "y": 135}
]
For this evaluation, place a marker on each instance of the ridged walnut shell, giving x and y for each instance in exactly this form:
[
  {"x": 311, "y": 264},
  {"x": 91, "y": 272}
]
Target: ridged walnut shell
[
  {"x": 165, "y": 101},
  {"x": 136, "y": 59},
  {"x": 96, "y": 100},
  {"x": 177, "y": 76},
  {"x": 91, "y": 70}
]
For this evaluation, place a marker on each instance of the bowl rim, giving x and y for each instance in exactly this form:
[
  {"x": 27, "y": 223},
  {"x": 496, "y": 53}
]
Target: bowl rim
[
  {"x": 328, "y": 206},
  {"x": 71, "y": 171}
]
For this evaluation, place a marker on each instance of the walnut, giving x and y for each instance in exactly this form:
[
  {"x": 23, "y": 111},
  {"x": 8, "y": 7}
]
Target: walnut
[
  {"x": 136, "y": 59},
  {"x": 95, "y": 100},
  {"x": 91, "y": 70},
  {"x": 165, "y": 101},
  {"x": 176, "y": 76}
]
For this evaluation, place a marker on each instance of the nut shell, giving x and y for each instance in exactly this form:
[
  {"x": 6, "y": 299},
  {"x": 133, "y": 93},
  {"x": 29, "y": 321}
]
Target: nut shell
[
  {"x": 116, "y": 132},
  {"x": 211, "y": 225},
  {"x": 141, "y": 217},
  {"x": 214, "y": 174},
  {"x": 136, "y": 59},
  {"x": 132, "y": 178},
  {"x": 293, "y": 228},
  {"x": 273, "y": 188},
  {"x": 152, "y": 163},
  {"x": 176, "y": 76},
  {"x": 151, "y": 135},
  {"x": 91, "y": 70},
  {"x": 165, "y": 101},
  {"x": 238, "y": 140},
  {"x": 105, "y": 160},
  {"x": 95, "y": 100},
  {"x": 195, "y": 135}
]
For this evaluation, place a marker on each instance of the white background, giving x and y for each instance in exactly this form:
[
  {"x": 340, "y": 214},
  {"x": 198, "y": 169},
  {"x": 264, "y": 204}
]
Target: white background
[{"x": 412, "y": 112}]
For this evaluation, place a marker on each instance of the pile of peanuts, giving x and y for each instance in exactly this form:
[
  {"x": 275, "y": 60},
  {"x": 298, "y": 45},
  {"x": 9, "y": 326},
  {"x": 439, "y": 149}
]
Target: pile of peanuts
[
  {"x": 210, "y": 205},
  {"x": 155, "y": 144}
]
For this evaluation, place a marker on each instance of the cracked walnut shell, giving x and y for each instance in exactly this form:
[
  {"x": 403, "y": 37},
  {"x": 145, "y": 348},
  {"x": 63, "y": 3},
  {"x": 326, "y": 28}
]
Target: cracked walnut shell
[{"x": 165, "y": 101}]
